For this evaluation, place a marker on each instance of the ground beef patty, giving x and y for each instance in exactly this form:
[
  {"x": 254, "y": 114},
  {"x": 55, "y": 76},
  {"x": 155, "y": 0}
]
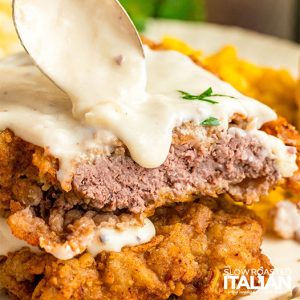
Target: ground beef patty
[{"x": 201, "y": 162}]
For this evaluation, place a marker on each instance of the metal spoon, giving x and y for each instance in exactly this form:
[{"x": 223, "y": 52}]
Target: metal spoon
[{"x": 81, "y": 45}]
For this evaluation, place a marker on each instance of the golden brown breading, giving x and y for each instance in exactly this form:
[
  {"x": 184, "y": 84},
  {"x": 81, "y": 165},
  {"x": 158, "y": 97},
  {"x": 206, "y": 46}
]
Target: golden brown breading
[
  {"x": 23, "y": 168},
  {"x": 291, "y": 137},
  {"x": 193, "y": 245},
  {"x": 19, "y": 271}
]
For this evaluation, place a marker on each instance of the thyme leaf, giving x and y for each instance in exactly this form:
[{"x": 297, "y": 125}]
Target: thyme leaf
[
  {"x": 205, "y": 96},
  {"x": 211, "y": 121}
]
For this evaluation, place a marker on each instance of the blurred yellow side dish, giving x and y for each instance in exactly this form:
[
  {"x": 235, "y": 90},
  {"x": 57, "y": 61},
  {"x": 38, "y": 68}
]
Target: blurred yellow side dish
[{"x": 8, "y": 38}]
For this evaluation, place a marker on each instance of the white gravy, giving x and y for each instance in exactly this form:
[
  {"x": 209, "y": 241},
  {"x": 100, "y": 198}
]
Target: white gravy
[
  {"x": 35, "y": 110},
  {"x": 100, "y": 239},
  {"x": 83, "y": 48},
  {"x": 40, "y": 113},
  {"x": 112, "y": 239},
  {"x": 105, "y": 239}
]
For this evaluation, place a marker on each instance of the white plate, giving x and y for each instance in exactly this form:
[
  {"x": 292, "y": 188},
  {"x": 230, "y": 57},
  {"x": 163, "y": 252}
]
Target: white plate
[{"x": 260, "y": 49}]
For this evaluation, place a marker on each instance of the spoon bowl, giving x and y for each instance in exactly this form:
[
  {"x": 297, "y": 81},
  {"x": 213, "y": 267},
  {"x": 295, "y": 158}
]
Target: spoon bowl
[{"x": 82, "y": 46}]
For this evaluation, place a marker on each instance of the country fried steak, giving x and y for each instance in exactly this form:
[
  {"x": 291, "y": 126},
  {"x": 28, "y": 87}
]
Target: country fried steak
[
  {"x": 195, "y": 242},
  {"x": 112, "y": 187},
  {"x": 225, "y": 162}
]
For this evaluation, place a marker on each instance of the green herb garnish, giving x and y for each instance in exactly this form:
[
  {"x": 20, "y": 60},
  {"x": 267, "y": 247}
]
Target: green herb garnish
[
  {"x": 205, "y": 96},
  {"x": 211, "y": 121}
]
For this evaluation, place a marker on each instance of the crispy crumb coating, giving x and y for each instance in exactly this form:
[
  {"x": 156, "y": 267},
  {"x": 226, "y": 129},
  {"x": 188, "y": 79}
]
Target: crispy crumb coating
[
  {"x": 193, "y": 245},
  {"x": 291, "y": 137}
]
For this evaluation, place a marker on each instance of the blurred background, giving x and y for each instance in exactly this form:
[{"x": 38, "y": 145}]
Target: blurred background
[{"x": 275, "y": 17}]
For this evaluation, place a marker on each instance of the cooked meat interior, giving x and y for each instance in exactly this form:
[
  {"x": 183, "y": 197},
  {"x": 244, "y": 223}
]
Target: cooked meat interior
[{"x": 193, "y": 245}]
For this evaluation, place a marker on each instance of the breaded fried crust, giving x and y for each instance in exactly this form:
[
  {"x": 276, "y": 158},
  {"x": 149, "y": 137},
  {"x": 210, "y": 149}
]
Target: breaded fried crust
[
  {"x": 291, "y": 137},
  {"x": 193, "y": 245}
]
